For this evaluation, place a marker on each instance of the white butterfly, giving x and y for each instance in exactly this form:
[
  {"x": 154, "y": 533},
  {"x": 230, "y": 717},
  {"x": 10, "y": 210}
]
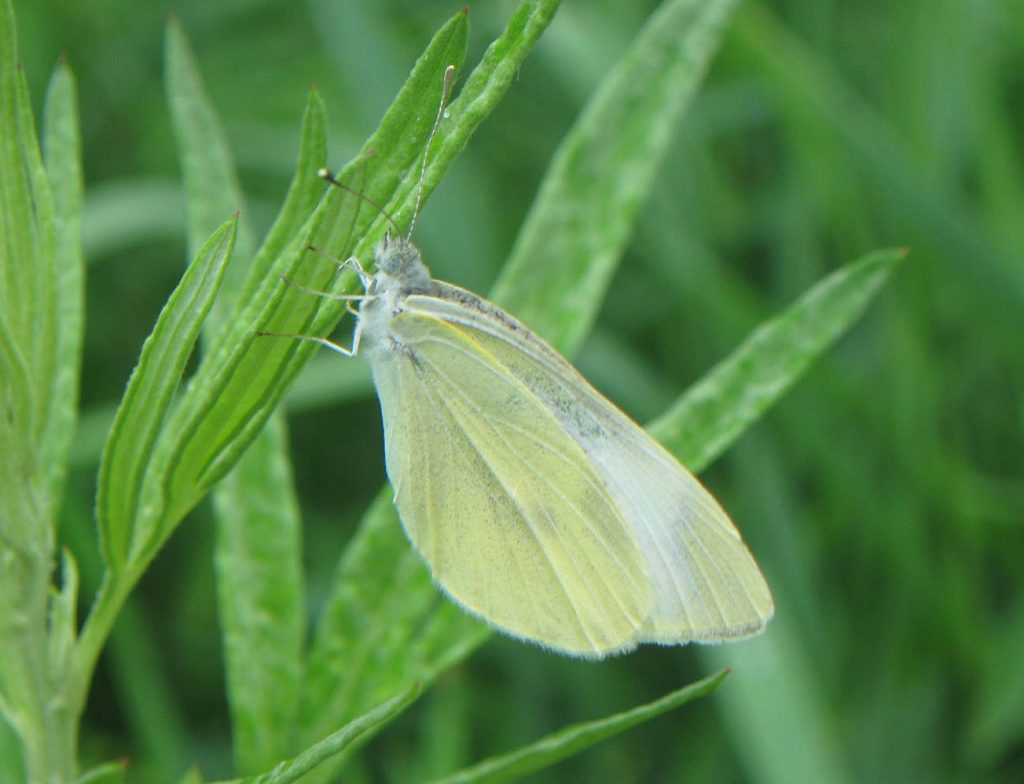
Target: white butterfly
[{"x": 538, "y": 505}]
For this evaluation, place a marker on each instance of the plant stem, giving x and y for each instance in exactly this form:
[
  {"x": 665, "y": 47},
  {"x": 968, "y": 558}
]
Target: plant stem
[{"x": 110, "y": 598}]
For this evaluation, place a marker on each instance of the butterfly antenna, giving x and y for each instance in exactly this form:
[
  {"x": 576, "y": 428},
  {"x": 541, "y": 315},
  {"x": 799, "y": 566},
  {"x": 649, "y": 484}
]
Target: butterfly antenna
[
  {"x": 327, "y": 176},
  {"x": 449, "y": 77}
]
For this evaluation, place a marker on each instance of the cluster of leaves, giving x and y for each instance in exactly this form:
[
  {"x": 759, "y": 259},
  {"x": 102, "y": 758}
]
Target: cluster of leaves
[{"x": 383, "y": 630}]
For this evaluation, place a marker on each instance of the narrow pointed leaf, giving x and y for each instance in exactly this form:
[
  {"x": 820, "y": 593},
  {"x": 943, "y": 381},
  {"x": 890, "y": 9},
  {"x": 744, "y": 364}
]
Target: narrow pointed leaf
[
  {"x": 62, "y": 144},
  {"x": 148, "y": 397},
  {"x": 260, "y": 598},
  {"x": 356, "y": 732},
  {"x": 107, "y": 773},
  {"x": 572, "y": 740},
  {"x": 212, "y": 192},
  {"x": 26, "y": 250},
  {"x": 716, "y": 410},
  {"x": 583, "y": 216},
  {"x": 258, "y": 553},
  {"x": 380, "y": 627},
  {"x": 244, "y": 375}
]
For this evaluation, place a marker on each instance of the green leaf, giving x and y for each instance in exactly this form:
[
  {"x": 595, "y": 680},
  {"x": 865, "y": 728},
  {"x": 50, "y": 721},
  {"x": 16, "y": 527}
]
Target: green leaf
[
  {"x": 27, "y": 293},
  {"x": 244, "y": 376},
  {"x": 261, "y": 599},
  {"x": 10, "y": 750},
  {"x": 107, "y": 773},
  {"x": 27, "y": 317},
  {"x": 717, "y": 409},
  {"x": 355, "y": 732},
  {"x": 212, "y": 192},
  {"x": 583, "y": 216},
  {"x": 774, "y": 694},
  {"x": 483, "y": 91},
  {"x": 141, "y": 415},
  {"x": 303, "y": 194},
  {"x": 381, "y": 626},
  {"x": 258, "y": 553},
  {"x": 28, "y": 314},
  {"x": 572, "y": 740},
  {"x": 62, "y": 143}
]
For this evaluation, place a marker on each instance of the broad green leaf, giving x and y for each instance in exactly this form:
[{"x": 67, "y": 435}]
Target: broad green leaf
[
  {"x": 143, "y": 409},
  {"x": 583, "y": 215},
  {"x": 572, "y": 740},
  {"x": 717, "y": 409},
  {"x": 62, "y": 145}
]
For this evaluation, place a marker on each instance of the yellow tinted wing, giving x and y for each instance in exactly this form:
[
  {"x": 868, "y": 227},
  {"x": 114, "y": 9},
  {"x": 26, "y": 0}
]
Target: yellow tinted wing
[
  {"x": 506, "y": 508},
  {"x": 707, "y": 586}
]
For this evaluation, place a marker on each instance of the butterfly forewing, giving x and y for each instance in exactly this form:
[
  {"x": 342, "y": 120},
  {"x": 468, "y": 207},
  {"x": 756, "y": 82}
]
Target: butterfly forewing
[
  {"x": 513, "y": 516},
  {"x": 706, "y": 585}
]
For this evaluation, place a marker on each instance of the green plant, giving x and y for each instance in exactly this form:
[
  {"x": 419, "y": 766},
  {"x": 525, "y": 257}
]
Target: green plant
[{"x": 384, "y": 631}]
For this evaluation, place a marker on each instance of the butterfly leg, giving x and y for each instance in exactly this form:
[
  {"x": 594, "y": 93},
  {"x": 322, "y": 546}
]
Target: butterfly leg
[{"x": 348, "y": 352}]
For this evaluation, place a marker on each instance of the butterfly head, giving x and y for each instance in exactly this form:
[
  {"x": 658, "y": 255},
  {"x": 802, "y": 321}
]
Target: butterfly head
[{"x": 401, "y": 264}]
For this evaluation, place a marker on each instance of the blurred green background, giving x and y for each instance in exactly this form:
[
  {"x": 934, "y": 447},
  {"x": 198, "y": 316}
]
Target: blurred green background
[{"x": 883, "y": 496}]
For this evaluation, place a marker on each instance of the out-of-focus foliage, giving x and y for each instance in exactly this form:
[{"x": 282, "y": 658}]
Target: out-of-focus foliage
[{"x": 884, "y": 495}]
